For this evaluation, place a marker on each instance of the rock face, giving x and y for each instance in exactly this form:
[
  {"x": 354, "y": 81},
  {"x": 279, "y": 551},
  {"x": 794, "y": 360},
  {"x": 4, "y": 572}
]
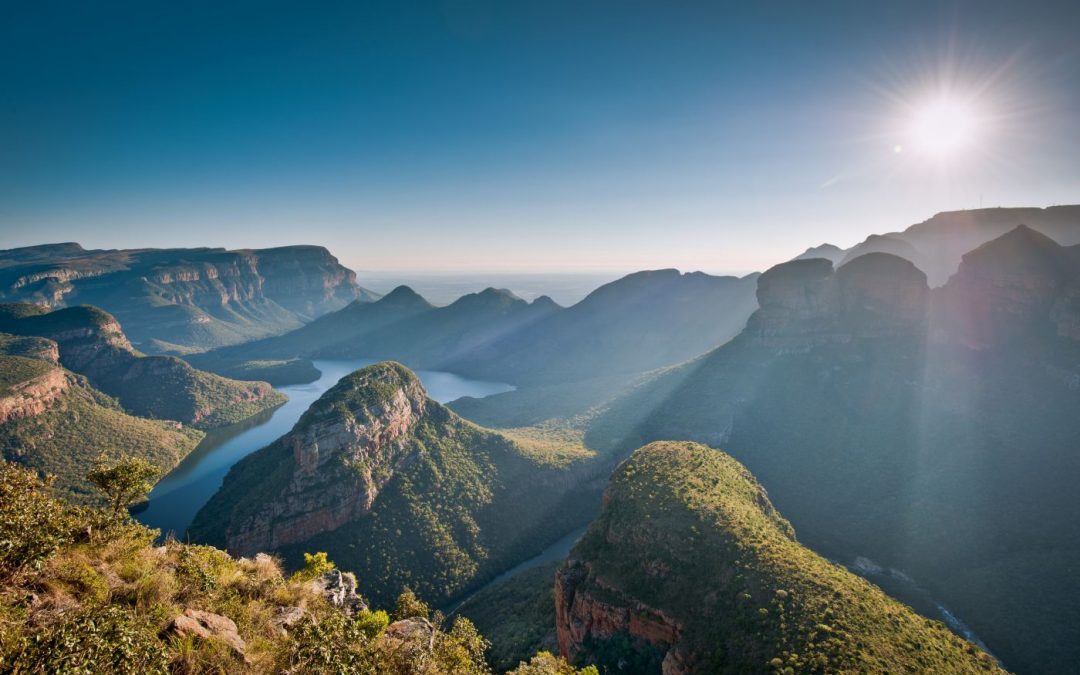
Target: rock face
[
  {"x": 396, "y": 488},
  {"x": 689, "y": 569},
  {"x": 804, "y": 303},
  {"x": 1020, "y": 283},
  {"x": 339, "y": 589},
  {"x": 582, "y": 617},
  {"x": 187, "y": 298},
  {"x": 344, "y": 450},
  {"x": 90, "y": 341},
  {"x": 34, "y": 396}
]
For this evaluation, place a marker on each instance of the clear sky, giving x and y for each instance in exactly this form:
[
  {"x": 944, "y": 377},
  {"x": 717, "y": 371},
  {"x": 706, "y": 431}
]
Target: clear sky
[{"x": 468, "y": 135}]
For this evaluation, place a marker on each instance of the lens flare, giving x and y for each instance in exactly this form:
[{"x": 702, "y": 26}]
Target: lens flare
[{"x": 943, "y": 128}]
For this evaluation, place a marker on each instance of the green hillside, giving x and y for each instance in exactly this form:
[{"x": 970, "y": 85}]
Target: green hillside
[
  {"x": 687, "y": 534},
  {"x": 399, "y": 489},
  {"x": 92, "y": 343},
  {"x": 940, "y": 445},
  {"x": 68, "y": 437},
  {"x": 83, "y": 593}
]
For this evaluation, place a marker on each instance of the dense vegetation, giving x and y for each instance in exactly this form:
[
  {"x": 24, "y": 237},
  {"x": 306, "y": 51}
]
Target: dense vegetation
[
  {"x": 81, "y": 591},
  {"x": 463, "y": 504},
  {"x": 686, "y": 530},
  {"x": 517, "y": 615},
  {"x": 82, "y": 426}
]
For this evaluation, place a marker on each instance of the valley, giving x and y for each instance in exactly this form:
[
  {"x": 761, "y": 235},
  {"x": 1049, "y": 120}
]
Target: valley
[
  {"x": 178, "y": 496},
  {"x": 859, "y": 394}
]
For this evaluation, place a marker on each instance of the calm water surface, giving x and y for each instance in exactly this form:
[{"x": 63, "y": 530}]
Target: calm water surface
[{"x": 177, "y": 498}]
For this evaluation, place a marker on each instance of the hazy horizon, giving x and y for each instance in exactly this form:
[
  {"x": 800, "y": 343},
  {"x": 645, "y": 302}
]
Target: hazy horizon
[{"x": 469, "y": 136}]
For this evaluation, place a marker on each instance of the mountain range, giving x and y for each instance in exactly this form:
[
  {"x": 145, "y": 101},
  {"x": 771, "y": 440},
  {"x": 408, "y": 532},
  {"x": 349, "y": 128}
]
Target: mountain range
[
  {"x": 176, "y": 301},
  {"x": 928, "y": 430},
  {"x": 908, "y": 405}
]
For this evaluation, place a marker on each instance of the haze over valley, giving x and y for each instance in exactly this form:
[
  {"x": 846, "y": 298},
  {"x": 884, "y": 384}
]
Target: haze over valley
[{"x": 540, "y": 339}]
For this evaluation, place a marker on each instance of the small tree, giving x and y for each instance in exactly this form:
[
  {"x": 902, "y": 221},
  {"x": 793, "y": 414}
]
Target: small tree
[
  {"x": 124, "y": 482},
  {"x": 410, "y": 607},
  {"x": 315, "y": 565}
]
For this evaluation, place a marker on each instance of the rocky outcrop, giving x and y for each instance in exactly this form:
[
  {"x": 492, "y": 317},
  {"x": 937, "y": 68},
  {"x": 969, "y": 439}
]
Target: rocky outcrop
[
  {"x": 688, "y": 568},
  {"x": 208, "y": 626},
  {"x": 805, "y": 303},
  {"x": 34, "y": 396},
  {"x": 584, "y": 615},
  {"x": 89, "y": 341},
  {"x": 339, "y": 589},
  {"x": 343, "y": 451},
  {"x": 1016, "y": 285}
]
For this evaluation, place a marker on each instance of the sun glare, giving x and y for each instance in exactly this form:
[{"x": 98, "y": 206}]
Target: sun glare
[{"x": 943, "y": 128}]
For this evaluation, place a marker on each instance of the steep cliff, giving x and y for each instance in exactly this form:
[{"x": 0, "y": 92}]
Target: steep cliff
[
  {"x": 397, "y": 488},
  {"x": 178, "y": 300},
  {"x": 931, "y": 432},
  {"x": 804, "y": 303},
  {"x": 690, "y": 569},
  {"x": 91, "y": 342},
  {"x": 53, "y": 421},
  {"x": 937, "y": 246}
]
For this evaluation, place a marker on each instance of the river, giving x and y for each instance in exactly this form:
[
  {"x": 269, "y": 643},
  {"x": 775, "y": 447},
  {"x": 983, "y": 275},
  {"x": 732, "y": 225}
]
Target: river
[{"x": 176, "y": 499}]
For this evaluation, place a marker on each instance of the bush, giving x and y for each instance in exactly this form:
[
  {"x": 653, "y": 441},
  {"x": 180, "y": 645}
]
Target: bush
[
  {"x": 32, "y": 526},
  {"x": 98, "y": 640}
]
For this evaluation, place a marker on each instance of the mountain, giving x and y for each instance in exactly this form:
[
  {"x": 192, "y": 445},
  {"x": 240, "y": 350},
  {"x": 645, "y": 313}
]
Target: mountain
[
  {"x": 117, "y": 602},
  {"x": 182, "y": 300},
  {"x": 643, "y": 321},
  {"x": 53, "y": 421},
  {"x": 833, "y": 254},
  {"x": 640, "y": 322},
  {"x": 928, "y": 431},
  {"x": 937, "y": 245},
  {"x": 91, "y": 342},
  {"x": 399, "y": 489},
  {"x": 690, "y": 569}
]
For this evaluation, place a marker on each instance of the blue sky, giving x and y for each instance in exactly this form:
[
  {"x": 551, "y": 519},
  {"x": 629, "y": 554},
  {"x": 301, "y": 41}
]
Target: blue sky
[{"x": 466, "y": 135}]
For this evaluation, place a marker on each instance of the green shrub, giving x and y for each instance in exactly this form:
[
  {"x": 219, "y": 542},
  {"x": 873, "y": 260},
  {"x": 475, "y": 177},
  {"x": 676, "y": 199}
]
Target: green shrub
[
  {"x": 97, "y": 640},
  {"x": 32, "y": 526}
]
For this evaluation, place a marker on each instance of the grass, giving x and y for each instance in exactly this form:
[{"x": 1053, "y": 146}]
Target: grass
[{"x": 100, "y": 596}]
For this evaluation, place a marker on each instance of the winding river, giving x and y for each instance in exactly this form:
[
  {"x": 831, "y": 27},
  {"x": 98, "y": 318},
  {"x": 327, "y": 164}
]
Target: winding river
[{"x": 176, "y": 499}]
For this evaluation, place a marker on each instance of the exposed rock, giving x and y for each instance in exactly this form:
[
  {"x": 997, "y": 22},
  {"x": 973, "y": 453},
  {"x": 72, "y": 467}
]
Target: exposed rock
[
  {"x": 581, "y": 616},
  {"x": 90, "y": 341},
  {"x": 409, "y": 636},
  {"x": 33, "y": 396},
  {"x": 169, "y": 296},
  {"x": 339, "y": 589},
  {"x": 804, "y": 303},
  {"x": 1017, "y": 284},
  {"x": 287, "y": 617},
  {"x": 344, "y": 449},
  {"x": 207, "y": 625}
]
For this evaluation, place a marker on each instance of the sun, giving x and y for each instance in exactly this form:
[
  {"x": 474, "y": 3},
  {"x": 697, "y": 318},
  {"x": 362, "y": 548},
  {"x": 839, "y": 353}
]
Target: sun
[{"x": 943, "y": 128}]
